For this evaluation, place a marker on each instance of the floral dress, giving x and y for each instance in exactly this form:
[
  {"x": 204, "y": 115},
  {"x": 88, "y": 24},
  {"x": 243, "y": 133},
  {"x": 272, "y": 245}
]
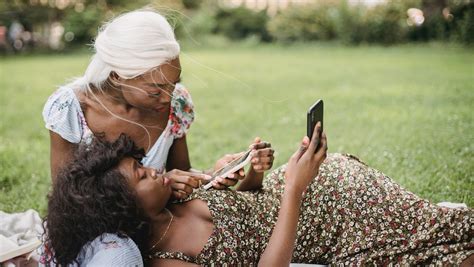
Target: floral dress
[{"x": 351, "y": 214}]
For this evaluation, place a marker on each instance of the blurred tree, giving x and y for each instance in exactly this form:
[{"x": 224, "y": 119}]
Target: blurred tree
[
  {"x": 433, "y": 7},
  {"x": 192, "y": 4},
  {"x": 241, "y": 22},
  {"x": 467, "y": 26}
]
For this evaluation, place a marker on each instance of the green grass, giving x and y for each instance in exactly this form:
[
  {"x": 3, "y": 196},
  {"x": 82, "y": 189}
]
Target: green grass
[{"x": 406, "y": 110}]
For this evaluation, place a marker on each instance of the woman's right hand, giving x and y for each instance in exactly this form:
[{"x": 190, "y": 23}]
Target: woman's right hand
[
  {"x": 304, "y": 164},
  {"x": 184, "y": 182}
]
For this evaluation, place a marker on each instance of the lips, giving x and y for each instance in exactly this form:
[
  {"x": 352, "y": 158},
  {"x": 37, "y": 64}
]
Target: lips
[
  {"x": 160, "y": 108},
  {"x": 166, "y": 181}
]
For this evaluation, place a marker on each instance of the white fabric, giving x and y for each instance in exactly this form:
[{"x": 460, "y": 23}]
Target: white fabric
[
  {"x": 107, "y": 250},
  {"x": 452, "y": 205},
  {"x": 22, "y": 227},
  {"x": 63, "y": 115}
]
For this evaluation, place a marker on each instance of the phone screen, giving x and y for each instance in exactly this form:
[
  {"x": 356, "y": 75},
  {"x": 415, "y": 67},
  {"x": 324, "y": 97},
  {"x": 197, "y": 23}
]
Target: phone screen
[{"x": 315, "y": 114}]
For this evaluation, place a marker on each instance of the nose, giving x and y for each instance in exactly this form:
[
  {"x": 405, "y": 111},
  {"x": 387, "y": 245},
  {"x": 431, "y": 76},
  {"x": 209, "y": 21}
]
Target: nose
[
  {"x": 152, "y": 173},
  {"x": 165, "y": 98}
]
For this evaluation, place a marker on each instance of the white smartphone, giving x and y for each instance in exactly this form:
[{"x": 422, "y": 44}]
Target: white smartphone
[{"x": 230, "y": 167}]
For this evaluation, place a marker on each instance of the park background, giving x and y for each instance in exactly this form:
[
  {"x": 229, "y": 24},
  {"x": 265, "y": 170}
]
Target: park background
[{"x": 397, "y": 78}]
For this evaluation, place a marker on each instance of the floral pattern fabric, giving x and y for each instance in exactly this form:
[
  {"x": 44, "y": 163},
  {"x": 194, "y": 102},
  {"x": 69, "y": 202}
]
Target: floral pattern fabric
[
  {"x": 351, "y": 214},
  {"x": 63, "y": 115},
  {"x": 181, "y": 113}
]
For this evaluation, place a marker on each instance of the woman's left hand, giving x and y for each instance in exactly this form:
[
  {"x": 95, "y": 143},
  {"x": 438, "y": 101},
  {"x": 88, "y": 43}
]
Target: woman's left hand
[{"x": 262, "y": 155}]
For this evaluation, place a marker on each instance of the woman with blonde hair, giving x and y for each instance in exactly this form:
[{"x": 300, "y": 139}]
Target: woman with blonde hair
[{"x": 132, "y": 86}]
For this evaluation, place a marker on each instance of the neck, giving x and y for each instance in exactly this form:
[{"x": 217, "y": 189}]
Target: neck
[{"x": 160, "y": 225}]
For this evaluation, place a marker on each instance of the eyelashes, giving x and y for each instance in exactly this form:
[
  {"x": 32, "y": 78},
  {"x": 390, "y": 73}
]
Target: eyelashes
[{"x": 155, "y": 94}]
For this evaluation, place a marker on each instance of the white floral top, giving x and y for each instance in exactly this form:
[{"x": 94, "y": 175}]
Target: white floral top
[
  {"x": 63, "y": 115},
  {"x": 105, "y": 250}
]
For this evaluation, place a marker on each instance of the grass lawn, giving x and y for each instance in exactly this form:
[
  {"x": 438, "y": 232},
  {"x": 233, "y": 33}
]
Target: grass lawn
[{"x": 406, "y": 110}]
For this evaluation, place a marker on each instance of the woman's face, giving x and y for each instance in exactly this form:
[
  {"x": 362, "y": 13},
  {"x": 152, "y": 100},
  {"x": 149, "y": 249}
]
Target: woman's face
[
  {"x": 153, "y": 190},
  {"x": 153, "y": 90}
]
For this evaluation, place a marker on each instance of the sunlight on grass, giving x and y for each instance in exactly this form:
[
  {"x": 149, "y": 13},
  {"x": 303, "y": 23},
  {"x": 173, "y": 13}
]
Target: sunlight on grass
[{"x": 405, "y": 110}]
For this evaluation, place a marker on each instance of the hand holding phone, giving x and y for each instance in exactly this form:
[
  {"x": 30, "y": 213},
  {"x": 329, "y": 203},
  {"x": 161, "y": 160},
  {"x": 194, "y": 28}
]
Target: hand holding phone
[{"x": 230, "y": 167}]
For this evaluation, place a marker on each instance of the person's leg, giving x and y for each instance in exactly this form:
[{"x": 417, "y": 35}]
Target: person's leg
[{"x": 356, "y": 214}]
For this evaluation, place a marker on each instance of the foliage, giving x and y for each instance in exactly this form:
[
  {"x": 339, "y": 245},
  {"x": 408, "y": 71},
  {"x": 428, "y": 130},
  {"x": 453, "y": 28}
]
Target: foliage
[
  {"x": 200, "y": 25},
  {"x": 84, "y": 25},
  {"x": 385, "y": 24},
  {"x": 241, "y": 22},
  {"x": 467, "y": 27},
  {"x": 352, "y": 24},
  {"x": 192, "y": 4},
  {"x": 304, "y": 23},
  {"x": 349, "y": 26}
]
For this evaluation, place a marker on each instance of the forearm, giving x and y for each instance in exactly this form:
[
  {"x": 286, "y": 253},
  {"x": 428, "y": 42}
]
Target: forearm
[
  {"x": 252, "y": 181},
  {"x": 178, "y": 156},
  {"x": 280, "y": 247}
]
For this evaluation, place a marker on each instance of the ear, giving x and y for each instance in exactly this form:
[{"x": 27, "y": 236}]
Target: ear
[
  {"x": 114, "y": 75},
  {"x": 115, "y": 78}
]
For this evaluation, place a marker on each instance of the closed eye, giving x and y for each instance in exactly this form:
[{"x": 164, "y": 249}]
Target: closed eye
[
  {"x": 141, "y": 170},
  {"x": 138, "y": 169},
  {"x": 163, "y": 85}
]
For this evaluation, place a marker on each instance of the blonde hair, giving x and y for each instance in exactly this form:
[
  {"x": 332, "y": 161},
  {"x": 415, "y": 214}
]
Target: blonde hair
[{"x": 129, "y": 45}]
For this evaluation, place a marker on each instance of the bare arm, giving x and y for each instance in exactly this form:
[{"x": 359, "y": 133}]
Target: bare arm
[
  {"x": 302, "y": 167},
  {"x": 60, "y": 153},
  {"x": 178, "y": 156},
  {"x": 252, "y": 181},
  {"x": 281, "y": 244},
  {"x": 262, "y": 160}
]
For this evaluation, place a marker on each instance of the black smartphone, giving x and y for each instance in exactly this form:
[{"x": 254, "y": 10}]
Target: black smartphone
[{"x": 315, "y": 114}]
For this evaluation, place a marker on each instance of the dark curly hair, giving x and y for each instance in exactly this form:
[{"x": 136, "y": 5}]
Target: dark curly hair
[{"x": 91, "y": 197}]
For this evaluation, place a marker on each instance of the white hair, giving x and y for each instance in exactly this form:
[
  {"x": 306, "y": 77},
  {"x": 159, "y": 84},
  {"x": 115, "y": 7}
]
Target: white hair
[{"x": 129, "y": 45}]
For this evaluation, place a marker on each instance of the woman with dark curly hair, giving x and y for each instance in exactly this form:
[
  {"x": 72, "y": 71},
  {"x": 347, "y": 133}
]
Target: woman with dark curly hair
[
  {"x": 91, "y": 198},
  {"x": 339, "y": 211}
]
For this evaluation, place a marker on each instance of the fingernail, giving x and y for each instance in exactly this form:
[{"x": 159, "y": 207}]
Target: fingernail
[
  {"x": 207, "y": 177},
  {"x": 254, "y": 160}
]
